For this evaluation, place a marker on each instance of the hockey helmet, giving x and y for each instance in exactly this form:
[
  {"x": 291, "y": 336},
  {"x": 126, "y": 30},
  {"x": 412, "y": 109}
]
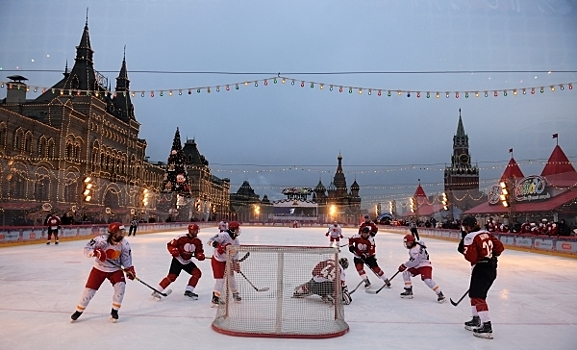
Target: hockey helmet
[
  {"x": 234, "y": 229},
  {"x": 115, "y": 227},
  {"x": 367, "y": 217},
  {"x": 470, "y": 221},
  {"x": 366, "y": 229},
  {"x": 409, "y": 241},
  {"x": 344, "y": 262},
  {"x": 193, "y": 229},
  {"x": 116, "y": 232}
]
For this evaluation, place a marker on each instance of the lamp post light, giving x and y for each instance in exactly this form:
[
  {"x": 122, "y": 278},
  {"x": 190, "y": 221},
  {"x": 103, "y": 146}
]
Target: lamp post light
[{"x": 257, "y": 212}]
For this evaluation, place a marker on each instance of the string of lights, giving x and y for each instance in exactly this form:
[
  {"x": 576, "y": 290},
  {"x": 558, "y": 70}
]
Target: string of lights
[
  {"x": 379, "y": 91},
  {"x": 311, "y": 168}
]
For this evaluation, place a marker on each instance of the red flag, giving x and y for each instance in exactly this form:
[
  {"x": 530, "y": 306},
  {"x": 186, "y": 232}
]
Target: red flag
[
  {"x": 510, "y": 150},
  {"x": 555, "y": 136}
]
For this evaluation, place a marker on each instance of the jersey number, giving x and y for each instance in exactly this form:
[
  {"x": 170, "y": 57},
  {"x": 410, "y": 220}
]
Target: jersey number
[{"x": 488, "y": 247}]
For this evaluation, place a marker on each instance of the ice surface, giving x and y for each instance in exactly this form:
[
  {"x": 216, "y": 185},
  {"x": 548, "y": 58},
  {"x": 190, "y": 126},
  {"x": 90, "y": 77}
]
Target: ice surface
[{"x": 532, "y": 303}]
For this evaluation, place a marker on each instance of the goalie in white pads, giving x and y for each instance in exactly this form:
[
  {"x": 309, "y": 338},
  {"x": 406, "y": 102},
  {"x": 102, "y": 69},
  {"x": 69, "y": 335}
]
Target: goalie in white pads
[
  {"x": 323, "y": 282},
  {"x": 103, "y": 248},
  {"x": 183, "y": 248},
  {"x": 218, "y": 262},
  {"x": 418, "y": 264}
]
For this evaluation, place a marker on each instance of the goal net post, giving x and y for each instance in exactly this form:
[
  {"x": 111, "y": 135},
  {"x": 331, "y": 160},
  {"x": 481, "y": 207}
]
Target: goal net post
[{"x": 279, "y": 297}]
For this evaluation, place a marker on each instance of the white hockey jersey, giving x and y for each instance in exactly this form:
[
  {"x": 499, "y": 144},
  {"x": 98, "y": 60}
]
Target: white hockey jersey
[
  {"x": 118, "y": 252},
  {"x": 222, "y": 238},
  {"x": 335, "y": 231},
  {"x": 418, "y": 257}
]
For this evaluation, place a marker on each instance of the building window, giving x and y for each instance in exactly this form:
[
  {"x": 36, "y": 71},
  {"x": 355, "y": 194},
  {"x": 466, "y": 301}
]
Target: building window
[{"x": 42, "y": 188}]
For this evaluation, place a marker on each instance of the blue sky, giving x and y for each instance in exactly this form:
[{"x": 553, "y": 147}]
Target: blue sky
[{"x": 282, "y": 135}]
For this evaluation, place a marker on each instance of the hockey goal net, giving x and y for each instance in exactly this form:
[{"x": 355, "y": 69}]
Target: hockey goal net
[{"x": 268, "y": 279}]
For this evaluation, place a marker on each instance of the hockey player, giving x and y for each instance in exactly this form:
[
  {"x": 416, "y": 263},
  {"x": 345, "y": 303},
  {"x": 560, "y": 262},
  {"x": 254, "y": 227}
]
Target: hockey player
[
  {"x": 413, "y": 229},
  {"x": 373, "y": 229},
  {"x": 323, "y": 282},
  {"x": 53, "y": 224},
  {"x": 183, "y": 248},
  {"x": 107, "y": 250},
  {"x": 335, "y": 233},
  {"x": 218, "y": 262},
  {"x": 481, "y": 249},
  {"x": 222, "y": 226},
  {"x": 418, "y": 264},
  {"x": 363, "y": 248}
]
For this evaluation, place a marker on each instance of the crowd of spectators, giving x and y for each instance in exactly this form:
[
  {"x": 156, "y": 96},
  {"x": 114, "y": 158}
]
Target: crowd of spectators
[{"x": 544, "y": 227}]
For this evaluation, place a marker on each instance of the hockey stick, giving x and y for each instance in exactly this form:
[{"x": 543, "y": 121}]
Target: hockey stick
[
  {"x": 263, "y": 289},
  {"x": 357, "y": 287},
  {"x": 239, "y": 260},
  {"x": 168, "y": 291},
  {"x": 457, "y": 303},
  {"x": 370, "y": 291}
]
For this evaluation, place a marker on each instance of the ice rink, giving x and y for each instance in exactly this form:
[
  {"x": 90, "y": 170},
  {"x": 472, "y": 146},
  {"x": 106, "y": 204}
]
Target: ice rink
[{"x": 532, "y": 303}]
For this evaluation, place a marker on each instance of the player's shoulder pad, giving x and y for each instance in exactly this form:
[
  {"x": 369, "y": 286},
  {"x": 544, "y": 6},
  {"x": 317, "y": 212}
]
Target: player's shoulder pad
[{"x": 468, "y": 240}]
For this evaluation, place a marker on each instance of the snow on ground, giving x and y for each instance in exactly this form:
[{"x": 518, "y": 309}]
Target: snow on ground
[{"x": 532, "y": 302}]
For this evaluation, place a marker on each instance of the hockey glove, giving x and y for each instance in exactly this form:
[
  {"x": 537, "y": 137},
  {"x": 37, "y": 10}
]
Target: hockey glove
[
  {"x": 130, "y": 273},
  {"x": 222, "y": 248},
  {"x": 327, "y": 234},
  {"x": 200, "y": 257},
  {"x": 214, "y": 244},
  {"x": 100, "y": 254},
  {"x": 402, "y": 267},
  {"x": 352, "y": 249},
  {"x": 373, "y": 233},
  {"x": 174, "y": 252}
]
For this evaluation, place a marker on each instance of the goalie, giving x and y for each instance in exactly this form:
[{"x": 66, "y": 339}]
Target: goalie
[{"x": 323, "y": 282}]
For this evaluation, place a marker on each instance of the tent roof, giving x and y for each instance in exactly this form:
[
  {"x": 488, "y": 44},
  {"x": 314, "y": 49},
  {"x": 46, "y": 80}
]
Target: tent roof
[
  {"x": 557, "y": 163},
  {"x": 512, "y": 171}
]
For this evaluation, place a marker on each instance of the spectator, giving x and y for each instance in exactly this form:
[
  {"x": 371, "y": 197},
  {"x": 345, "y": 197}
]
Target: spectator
[{"x": 563, "y": 228}]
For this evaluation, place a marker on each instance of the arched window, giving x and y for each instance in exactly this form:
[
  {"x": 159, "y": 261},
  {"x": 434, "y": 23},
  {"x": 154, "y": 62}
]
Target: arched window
[
  {"x": 42, "y": 147},
  {"x": 17, "y": 139},
  {"x": 77, "y": 151},
  {"x": 51, "y": 149},
  {"x": 69, "y": 151},
  {"x": 41, "y": 189},
  {"x": 28, "y": 143}
]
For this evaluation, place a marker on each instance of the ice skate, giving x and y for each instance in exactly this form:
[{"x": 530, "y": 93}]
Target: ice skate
[
  {"x": 328, "y": 299},
  {"x": 75, "y": 315},
  {"x": 367, "y": 283},
  {"x": 113, "y": 315},
  {"x": 484, "y": 331},
  {"x": 474, "y": 323},
  {"x": 56, "y": 242},
  {"x": 408, "y": 293},
  {"x": 441, "y": 297},
  {"x": 215, "y": 301},
  {"x": 47, "y": 243},
  {"x": 191, "y": 295},
  {"x": 236, "y": 297}
]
